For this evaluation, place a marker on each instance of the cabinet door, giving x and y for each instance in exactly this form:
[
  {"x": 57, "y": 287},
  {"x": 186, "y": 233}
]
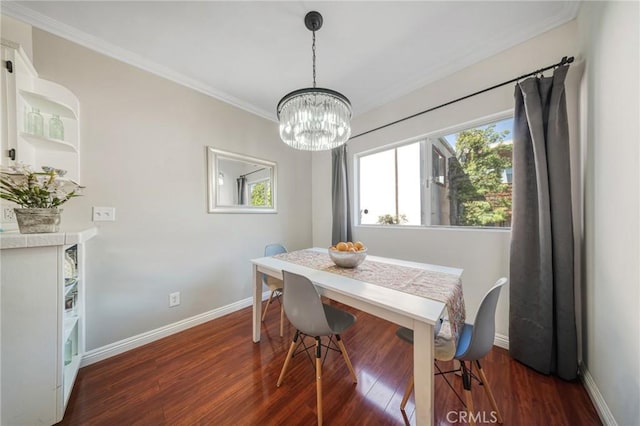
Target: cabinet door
[
  {"x": 9, "y": 119},
  {"x": 30, "y": 334}
]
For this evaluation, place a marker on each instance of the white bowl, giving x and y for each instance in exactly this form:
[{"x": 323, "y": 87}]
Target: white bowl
[{"x": 346, "y": 259}]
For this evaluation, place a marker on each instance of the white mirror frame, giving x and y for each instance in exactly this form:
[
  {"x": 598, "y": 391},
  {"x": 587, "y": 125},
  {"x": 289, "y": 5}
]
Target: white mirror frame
[{"x": 213, "y": 156}]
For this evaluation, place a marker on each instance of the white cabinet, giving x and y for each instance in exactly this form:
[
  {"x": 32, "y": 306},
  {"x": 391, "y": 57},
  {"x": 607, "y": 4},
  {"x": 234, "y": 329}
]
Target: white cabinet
[
  {"x": 42, "y": 322},
  {"x": 24, "y": 93}
]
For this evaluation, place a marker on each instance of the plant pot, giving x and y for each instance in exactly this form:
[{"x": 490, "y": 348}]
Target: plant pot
[{"x": 35, "y": 221}]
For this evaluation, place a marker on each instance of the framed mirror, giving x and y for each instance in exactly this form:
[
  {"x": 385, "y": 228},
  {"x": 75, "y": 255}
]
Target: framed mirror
[{"x": 240, "y": 184}]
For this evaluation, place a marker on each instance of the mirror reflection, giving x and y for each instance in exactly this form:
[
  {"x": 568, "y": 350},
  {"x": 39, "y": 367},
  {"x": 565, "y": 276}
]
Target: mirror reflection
[{"x": 240, "y": 184}]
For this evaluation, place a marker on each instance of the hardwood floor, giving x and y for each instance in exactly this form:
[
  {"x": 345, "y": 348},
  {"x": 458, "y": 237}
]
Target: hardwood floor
[{"x": 213, "y": 374}]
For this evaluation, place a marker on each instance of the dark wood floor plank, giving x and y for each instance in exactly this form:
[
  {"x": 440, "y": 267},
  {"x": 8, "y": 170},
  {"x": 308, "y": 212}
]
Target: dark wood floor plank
[{"x": 215, "y": 374}]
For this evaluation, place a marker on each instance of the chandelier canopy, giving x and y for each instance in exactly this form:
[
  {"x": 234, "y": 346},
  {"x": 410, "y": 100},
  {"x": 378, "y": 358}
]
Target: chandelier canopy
[{"x": 314, "y": 119}]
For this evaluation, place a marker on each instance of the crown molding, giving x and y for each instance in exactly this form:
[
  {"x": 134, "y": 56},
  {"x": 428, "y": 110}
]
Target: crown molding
[{"x": 67, "y": 32}]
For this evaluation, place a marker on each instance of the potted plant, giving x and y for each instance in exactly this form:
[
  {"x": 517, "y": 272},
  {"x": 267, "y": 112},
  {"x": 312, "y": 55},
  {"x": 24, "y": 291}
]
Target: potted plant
[{"x": 39, "y": 194}]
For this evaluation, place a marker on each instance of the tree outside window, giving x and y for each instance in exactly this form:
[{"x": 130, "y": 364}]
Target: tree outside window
[{"x": 478, "y": 192}]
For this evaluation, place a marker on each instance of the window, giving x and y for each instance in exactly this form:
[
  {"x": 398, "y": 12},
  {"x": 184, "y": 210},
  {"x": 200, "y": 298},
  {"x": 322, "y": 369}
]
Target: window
[
  {"x": 392, "y": 181},
  {"x": 457, "y": 179}
]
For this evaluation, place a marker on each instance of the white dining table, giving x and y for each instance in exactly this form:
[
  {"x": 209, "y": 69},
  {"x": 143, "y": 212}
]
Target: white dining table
[{"x": 407, "y": 310}]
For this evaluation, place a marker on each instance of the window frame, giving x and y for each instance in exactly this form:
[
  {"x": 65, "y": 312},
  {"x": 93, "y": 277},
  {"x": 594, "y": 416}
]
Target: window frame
[{"x": 423, "y": 139}]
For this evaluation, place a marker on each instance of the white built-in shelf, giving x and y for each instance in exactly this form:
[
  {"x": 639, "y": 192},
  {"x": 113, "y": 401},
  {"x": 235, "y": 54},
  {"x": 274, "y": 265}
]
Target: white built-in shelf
[
  {"x": 42, "y": 142},
  {"x": 69, "y": 376},
  {"x": 44, "y": 103},
  {"x": 70, "y": 321}
]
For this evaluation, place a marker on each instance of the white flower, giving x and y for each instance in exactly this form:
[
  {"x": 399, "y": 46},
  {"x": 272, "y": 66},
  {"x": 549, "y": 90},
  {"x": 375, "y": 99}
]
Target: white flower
[{"x": 30, "y": 189}]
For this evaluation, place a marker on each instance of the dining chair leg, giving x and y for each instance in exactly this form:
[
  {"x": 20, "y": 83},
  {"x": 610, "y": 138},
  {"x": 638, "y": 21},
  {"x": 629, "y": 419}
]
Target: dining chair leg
[
  {"x": 264, "y": 313},
  {"x": 346, "y": 358},
  {"x": 319, "y": 379},
  {"x": 292, "y": 348},
  {"x": 466, "y": 383},
  {"x": 407, "y": 393},
  {"x": 487, "y": 389},
  {"x": 281, "y": 320}
]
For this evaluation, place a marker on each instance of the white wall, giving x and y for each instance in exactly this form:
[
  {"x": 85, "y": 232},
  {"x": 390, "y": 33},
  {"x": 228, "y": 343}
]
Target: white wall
[
  {"x": 17, "y": 32},
  {"x": 143, "y": 152},
  {"x": 611, "y": 299},
  {"x": 483, "y": 254}
]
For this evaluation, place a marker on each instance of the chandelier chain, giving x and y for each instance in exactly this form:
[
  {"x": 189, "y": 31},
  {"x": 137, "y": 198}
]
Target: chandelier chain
[{"x": 313, "y": 50}]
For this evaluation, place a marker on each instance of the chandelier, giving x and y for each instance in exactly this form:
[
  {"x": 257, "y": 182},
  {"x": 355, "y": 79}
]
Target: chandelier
[{"x": 314, "y": 119}]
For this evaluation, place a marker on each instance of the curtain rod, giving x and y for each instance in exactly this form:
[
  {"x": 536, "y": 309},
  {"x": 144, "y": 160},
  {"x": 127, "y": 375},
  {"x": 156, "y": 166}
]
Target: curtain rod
[
  {"x": 255, "y": 171},
  {"x": 565, "y": 60}
]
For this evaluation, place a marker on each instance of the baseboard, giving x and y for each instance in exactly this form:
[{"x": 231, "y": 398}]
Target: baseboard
[
  {"x": 501, "y": 341},
  {"x": 596, "y": 397},
  {"x": 116, "y": 348}
]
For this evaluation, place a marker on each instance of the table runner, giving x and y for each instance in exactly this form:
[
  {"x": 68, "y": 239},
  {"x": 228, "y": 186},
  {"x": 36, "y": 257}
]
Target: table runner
[{"x": 440, "y": 286}]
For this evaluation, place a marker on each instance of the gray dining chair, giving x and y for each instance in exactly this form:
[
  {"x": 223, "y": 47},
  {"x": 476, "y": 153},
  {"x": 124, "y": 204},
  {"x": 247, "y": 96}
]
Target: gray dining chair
[
  {"x": 274, "y": 284},
  {"x": 474, "y": 342},
  {"x": 312, "y": 318}
]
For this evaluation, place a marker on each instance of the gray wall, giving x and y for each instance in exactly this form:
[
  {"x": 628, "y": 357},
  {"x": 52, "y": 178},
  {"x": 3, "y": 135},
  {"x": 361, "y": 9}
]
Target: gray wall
[{"x": 143, "y": 152}]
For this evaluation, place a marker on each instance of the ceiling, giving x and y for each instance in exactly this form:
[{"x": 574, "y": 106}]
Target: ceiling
[{"x": 251, "y": 53}]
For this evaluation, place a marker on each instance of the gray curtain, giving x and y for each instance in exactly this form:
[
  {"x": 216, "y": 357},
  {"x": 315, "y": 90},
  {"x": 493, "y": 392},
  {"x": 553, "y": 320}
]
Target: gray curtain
[
  {"x": 341, "y": 226},
  {"x": 542, "y": 325},
  {"x": 242, "y": 190}
]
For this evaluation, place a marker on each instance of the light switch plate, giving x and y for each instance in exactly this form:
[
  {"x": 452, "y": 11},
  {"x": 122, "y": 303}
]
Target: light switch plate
[{"x": 104, "y": 214}]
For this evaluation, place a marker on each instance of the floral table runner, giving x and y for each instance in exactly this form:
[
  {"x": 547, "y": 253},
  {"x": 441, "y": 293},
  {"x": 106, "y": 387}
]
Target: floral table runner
[{"x": 435, "y": 285}]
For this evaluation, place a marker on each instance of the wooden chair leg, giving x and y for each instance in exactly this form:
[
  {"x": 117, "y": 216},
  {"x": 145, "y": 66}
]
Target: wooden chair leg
[
  {"x": 264, "y": 313},
  {"x": 281, "y": 319},
  {"x": 466, "y": 383},
  {"x": 292, "y": 348},
  {"x": 319, "y": 380},
  {"x": 487, "y": 389},
  {"x": 407, "y": 393},
  {"x": 346, "y": 358}
]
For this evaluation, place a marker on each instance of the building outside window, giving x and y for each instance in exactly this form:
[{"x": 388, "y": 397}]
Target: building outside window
[
  {"x": 439, "y": 166},
  {"x": 457, "y": 179}
]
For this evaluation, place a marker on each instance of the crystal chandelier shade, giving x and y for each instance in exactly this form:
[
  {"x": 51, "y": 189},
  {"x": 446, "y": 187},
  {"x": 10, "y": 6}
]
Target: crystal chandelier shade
[{"x": 314, "y": 119}]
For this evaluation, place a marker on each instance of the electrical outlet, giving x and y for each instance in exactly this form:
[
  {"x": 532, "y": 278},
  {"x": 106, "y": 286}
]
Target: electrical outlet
[
  {"x": 174, "y": 299},
  {"x": 8, "y": 215},
  {"x": 104, "y": 214}
]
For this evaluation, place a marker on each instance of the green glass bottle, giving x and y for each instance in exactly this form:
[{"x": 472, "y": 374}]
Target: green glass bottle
[
  {"x": 35, "y": 122},
  {"x": 56, "y": 128}
]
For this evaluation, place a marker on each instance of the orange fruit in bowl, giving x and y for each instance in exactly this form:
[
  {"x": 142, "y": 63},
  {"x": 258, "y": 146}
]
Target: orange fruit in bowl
[
  {"x": 342, "y": 246},
  {"x": 358, "y": 245}
]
